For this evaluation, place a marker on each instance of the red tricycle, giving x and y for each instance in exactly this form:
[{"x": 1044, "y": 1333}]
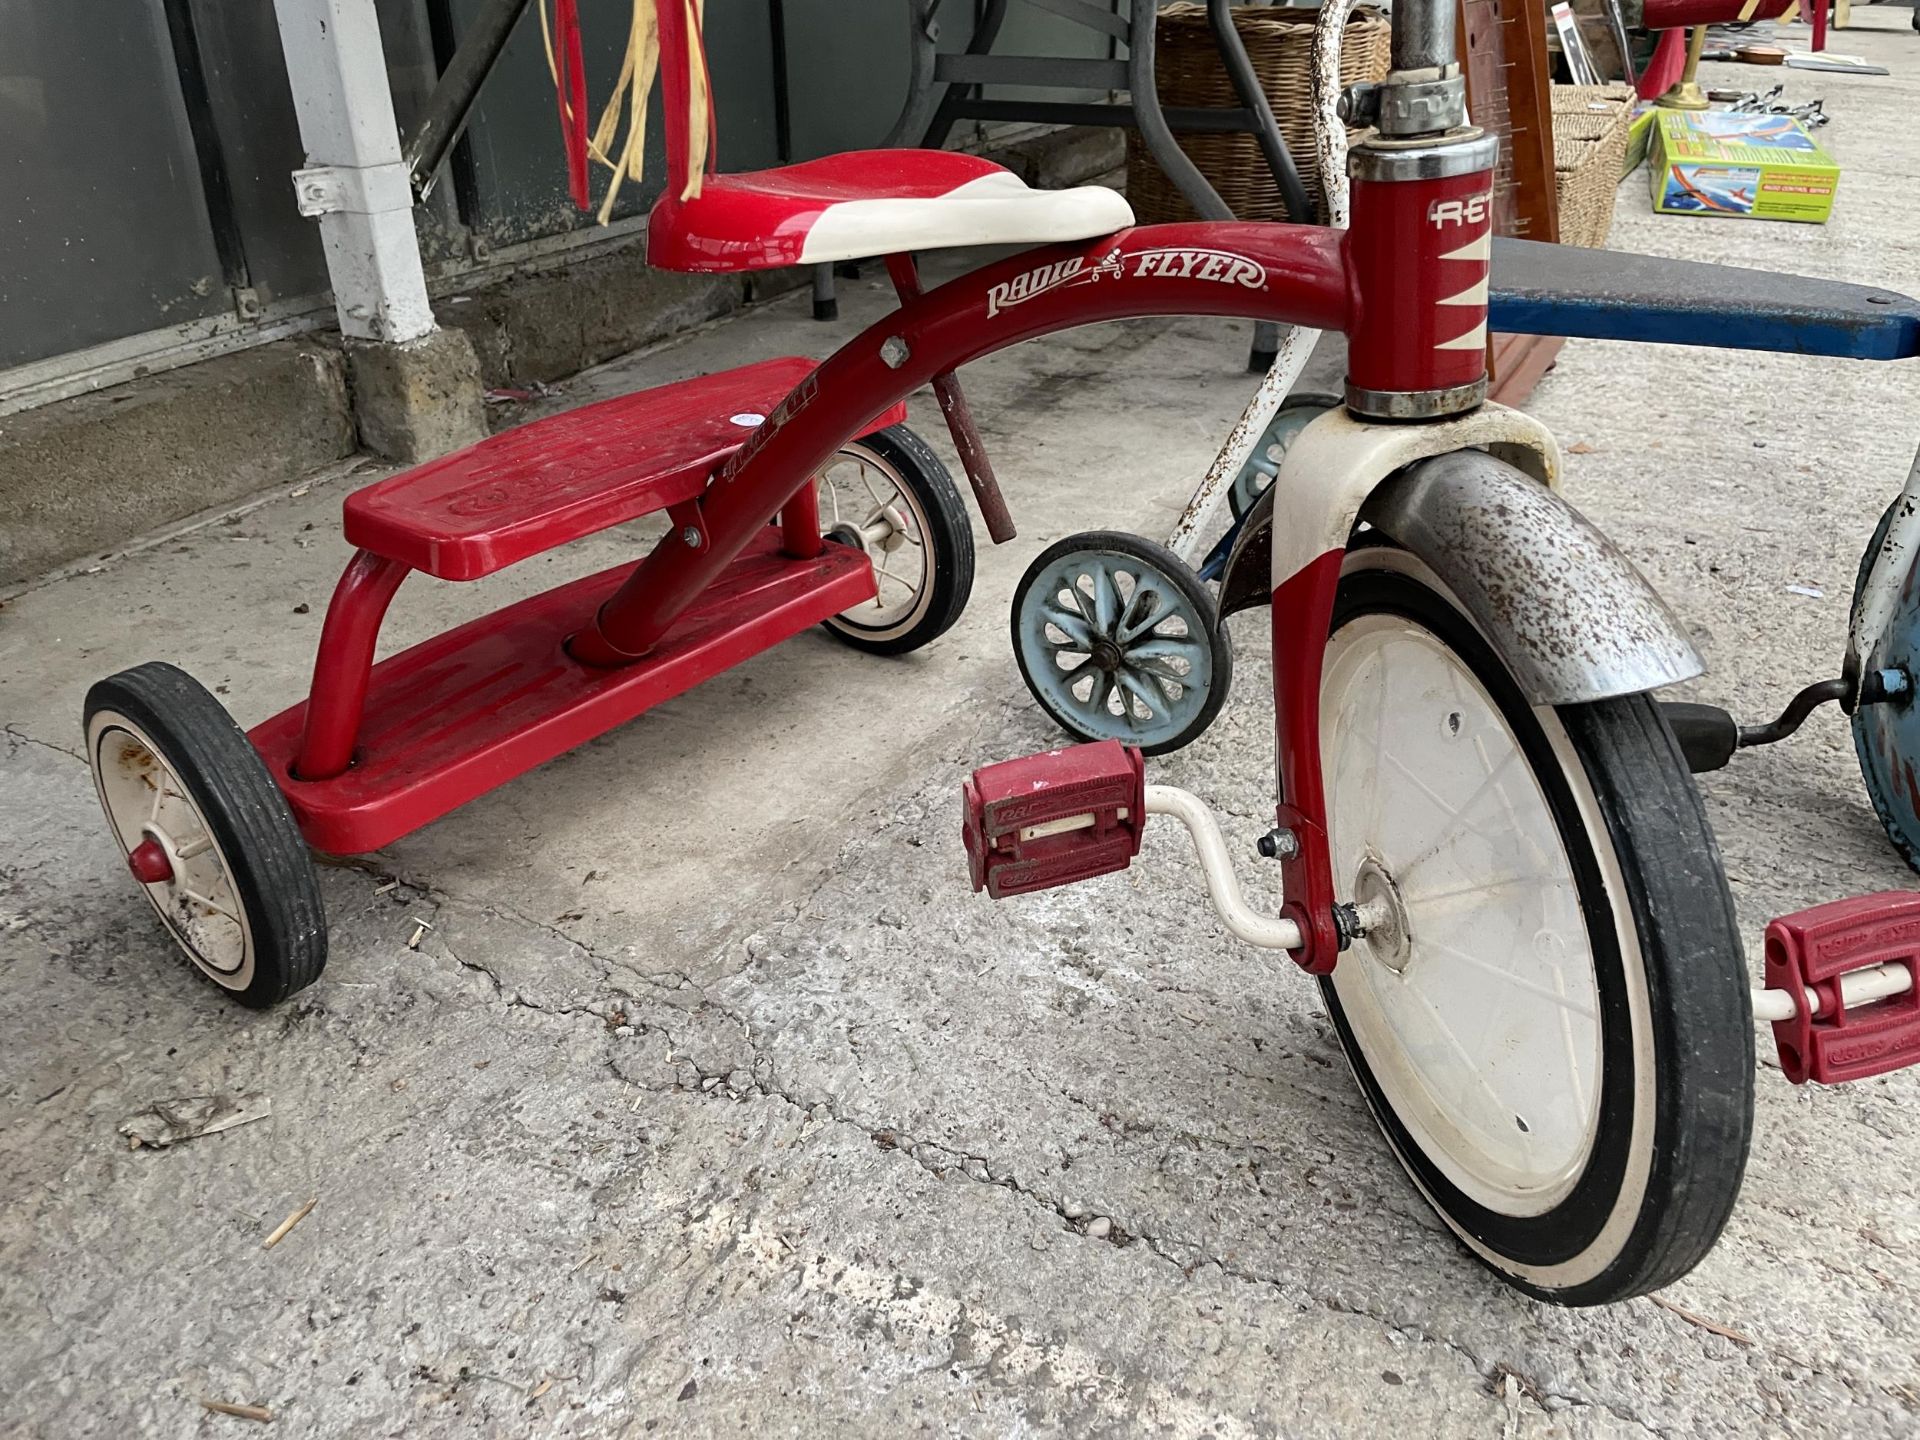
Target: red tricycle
[{"x": 1494, "y": 858}]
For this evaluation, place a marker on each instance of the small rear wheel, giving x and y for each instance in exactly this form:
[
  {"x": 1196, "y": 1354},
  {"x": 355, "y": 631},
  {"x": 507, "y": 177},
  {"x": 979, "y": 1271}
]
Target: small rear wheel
[
  {"x": 206, "y": 833},
  {"x": 1296, "y": 413},
  {"x": 1549, "y": 1013},
  {"x": 1118, "y": 639},
  {"x": 889, "y": 496}
]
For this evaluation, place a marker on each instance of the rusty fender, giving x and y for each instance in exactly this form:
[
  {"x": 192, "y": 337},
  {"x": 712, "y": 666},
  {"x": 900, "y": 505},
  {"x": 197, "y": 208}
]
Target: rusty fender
[
  {"x": 1569, "y": 613},
  {"x": 1566, "y": 610}
]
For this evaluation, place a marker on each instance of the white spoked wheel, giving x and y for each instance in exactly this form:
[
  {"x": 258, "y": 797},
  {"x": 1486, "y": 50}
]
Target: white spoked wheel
[
  {"x": 206, "y": 833},
  {"x": 1548, "y": 1012},
  {"x": 889, "y": 496}
]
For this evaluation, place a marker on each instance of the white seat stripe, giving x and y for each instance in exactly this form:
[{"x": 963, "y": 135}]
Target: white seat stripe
[{"x": 990, "y": 210}]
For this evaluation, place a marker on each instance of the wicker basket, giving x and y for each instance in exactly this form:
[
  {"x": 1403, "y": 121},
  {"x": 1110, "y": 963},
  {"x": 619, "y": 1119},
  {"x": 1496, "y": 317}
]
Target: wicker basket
[
  {"x": 1189, "y": 72},
  {"x": 1590, "y": 125}
]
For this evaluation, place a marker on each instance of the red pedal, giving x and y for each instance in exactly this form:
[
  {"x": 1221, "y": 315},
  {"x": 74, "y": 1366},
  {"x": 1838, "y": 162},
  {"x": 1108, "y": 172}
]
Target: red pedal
[
  {"x": 1051, "y": 819},
  {"x": 1807, "y": 953}
]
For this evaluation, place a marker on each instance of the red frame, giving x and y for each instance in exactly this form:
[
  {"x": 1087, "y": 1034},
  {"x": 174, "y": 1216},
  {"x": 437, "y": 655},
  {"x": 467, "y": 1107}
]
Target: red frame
[
  {"x": 1397, "y": 287},
  {"x": 1292, "y": 274}
]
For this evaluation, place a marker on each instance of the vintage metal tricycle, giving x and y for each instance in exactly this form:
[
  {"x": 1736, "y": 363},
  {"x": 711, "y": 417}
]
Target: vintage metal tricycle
[{"x": 1493, "y": 854}]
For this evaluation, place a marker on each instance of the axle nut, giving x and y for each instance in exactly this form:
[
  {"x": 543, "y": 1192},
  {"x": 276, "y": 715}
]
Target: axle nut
[
  {"x": 150, "y": 863},
  {"x": 1278, "y": 843},
  {"x": 1359, "y": 104},
  {"x": 1885, "y": 685}
]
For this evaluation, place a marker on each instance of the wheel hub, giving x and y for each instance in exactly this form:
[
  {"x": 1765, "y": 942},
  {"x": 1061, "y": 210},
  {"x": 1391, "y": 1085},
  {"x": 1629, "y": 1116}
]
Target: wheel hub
[
  {"x": 150, "y": 863},
  {"x": 1383, "y": 915},
  {"x": 1107, "y": 655}
]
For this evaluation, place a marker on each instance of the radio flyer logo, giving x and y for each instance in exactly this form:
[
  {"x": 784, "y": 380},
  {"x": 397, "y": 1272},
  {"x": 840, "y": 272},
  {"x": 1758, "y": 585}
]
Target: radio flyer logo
[
  {"x": 1170, "y": 262},
  {"x": 1221, "y": 266}
]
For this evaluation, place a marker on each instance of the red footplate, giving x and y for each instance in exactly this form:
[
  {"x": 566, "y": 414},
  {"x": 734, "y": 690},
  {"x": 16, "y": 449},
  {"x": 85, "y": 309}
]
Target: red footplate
[
  {"x": 541, "y": 484},
  {"x": 1051, "y": 819},
  {"x": 1807, "y": 953},
  {"x": 464, "y": 712}
]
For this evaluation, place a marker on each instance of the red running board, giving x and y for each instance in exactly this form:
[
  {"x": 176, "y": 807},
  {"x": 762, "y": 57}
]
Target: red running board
[{"x": 466, "y": 711}]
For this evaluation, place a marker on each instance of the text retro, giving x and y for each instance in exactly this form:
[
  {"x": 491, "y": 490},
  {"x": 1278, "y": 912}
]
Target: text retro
[{"x": 1442, "y": 213}]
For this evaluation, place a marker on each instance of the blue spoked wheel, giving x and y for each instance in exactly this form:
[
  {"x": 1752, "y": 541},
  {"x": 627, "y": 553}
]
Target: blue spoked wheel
[
  {"x": 1295, "y": 414},
  {"x": 1886, "y": 736},
  {"x": 1117, "y": 639}
]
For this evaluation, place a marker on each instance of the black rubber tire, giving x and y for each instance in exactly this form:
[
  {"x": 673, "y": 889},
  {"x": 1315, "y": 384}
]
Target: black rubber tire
[
  {"x": 247, "y": 816},
  {"x": 1174, "y": 571},
  {"x": 1696, "y": 1032},
  {"x": 948, "y": 532}
]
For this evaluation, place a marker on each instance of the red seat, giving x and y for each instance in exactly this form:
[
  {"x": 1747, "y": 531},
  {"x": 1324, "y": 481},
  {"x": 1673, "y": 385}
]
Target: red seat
[
  {"x": 868, "y": 202},
  {"x": 549, "y": 481}
]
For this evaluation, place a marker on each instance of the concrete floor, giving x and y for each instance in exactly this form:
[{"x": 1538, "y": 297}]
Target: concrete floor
[{"x": 713, "y": 1104}]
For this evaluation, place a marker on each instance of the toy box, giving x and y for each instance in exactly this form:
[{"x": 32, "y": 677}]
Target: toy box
[
  {"x": 1760, "y": 167},
  {"x": 1639, "y": 139}
]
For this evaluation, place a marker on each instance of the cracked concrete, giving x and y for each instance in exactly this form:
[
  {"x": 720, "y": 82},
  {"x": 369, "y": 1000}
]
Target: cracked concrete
[{"x": 710, "y": 1103}]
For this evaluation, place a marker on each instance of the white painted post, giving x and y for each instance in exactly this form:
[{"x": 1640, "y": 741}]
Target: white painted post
[{"x": 357, "y": 183}]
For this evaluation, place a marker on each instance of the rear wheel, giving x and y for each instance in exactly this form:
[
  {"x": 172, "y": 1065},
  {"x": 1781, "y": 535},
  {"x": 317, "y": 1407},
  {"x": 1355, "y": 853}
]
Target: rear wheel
[
  {"x": 1296, "y": 412},
  {"x": 1549, "y": 1016},
  {"x": 206, "y": 833},
  {"x": 889, "y": 496}
]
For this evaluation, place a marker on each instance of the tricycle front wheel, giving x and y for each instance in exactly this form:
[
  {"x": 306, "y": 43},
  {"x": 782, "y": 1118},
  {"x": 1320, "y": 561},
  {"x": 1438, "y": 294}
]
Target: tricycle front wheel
[{"x": 1548, "y": 1015}]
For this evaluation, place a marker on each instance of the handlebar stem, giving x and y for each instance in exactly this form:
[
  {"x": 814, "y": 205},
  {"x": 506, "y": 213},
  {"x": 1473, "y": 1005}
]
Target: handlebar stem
[
  {"x": 1423, "y": 38},
  {"x": 1425, "y": 93}
]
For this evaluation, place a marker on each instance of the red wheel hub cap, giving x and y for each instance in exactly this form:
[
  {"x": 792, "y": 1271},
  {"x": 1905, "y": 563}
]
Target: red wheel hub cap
[{"x": 149, "y": 863}]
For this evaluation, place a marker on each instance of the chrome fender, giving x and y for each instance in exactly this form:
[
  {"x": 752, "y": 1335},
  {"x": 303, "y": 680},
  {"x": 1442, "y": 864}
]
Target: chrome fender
[{"x": 1571, "y": 615}]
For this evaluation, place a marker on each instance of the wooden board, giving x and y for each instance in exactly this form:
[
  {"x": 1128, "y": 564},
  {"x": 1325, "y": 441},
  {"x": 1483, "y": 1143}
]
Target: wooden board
[
  {"x": 1503, "y": 46},
  {"x": 1516, "y": 363}
]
